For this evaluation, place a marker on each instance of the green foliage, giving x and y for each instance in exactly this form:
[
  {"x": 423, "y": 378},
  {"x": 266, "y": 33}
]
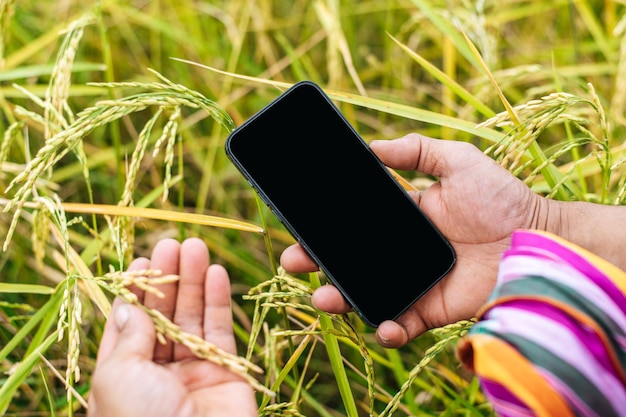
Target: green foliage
[{"x": 113, "y": 122}]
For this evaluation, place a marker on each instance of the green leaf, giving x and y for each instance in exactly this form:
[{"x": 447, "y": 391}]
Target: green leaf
[{"x": 6, "y": 287}]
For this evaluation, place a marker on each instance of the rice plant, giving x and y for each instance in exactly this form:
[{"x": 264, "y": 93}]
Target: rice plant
[{"x": 114, "y": 117}]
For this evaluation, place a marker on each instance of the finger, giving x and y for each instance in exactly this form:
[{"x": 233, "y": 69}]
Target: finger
[
  {"x": 420, "y": 153},
  {"x": 218, "y": 317},
  {"x": 138, "y": 264},
  {"x": 390, "y": 334},
  {"x": 295, "y": 260},
  {"x": 111, "y": 331},
  {"x": 133, "y": 348},
  {"x": 329, "y": 299},
  {"x": 165, "y": 257},
  {"x": 194, "y": 261},
  {"x": 136, "y": 333},
  {"x": 395, "y": 334}
]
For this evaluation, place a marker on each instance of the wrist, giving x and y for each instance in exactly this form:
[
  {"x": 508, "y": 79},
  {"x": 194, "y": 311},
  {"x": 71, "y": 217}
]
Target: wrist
[
  {"x": 555, "y": 218},
  {"x": 594, "y": 227},
  {"x": 549, "y": 216}
]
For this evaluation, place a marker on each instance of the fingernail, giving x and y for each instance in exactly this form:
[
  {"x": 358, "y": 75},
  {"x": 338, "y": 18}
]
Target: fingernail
[
  {"x": 383, "y": 341},
  {"x": 122, "y": 313}
]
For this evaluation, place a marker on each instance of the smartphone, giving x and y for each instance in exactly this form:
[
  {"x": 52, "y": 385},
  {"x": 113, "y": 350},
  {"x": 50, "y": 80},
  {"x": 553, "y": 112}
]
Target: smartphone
[{"x": 338, "y": 200}]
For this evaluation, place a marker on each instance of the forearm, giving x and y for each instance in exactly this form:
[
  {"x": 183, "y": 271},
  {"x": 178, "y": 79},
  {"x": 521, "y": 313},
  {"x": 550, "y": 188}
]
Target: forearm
[{"x": 601, "y": 229}]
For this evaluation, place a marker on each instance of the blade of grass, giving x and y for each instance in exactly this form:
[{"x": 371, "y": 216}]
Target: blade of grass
[
  {"x": 159, "y": 214},
  {"x": 40, "y": 70},
  {"x": 402, "y": 110},
  {"x": 22, "y": 371},
  {"x": 445, "y": 27},
  {"x": 590, "y": 18},
  {"x": 334, "y": 356},
  {"x": 287, "y": 367},
  {"x": 331, "y": 22},
  {"x": 48, "y": 308},
  {"x": 6, "y": 287},
  {"x": 444, "y": 79},
  {"x": 39, "y": 90}
]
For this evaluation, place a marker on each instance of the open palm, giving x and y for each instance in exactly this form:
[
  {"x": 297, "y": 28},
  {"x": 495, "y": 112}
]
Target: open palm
[{"x": 135, "y": 375}]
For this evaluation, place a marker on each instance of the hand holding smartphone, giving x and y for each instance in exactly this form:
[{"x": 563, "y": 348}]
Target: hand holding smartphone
[{"x": 340, "y": 203}]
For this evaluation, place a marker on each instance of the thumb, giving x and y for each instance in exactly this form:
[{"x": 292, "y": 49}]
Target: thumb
[
  {"x": 419, "y": 153},
  {"x": 136, "y": 333}
]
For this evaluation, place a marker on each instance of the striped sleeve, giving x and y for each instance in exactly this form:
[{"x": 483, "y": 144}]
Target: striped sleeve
[{"x": 551, "y": 339}]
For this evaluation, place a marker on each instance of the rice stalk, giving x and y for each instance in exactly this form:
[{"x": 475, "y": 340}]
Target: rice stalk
[
  {"x": 603, "y": 142},
  {"x": 618, "y": 100},
  {"x": 122, "y": 227},
  {"x": 471, "y": 18},
  {"x": 279, "y": 292},
  {"x": 335, "y": 357},
  {"x": 60, "y": 80},
  {"x": 338, "y": 49},
  {"x": 274, "y": 292},
  {"x": 70, "y": 310},
  {"x": 170, "y": 133},
  {"x": 534, "y": 118},
  {"x": 554, "y": 154},
  {"x": 280, "y": 409},
  {"x": 7, "y": 8},
  {"x": 74, "y": 323},
  {"x": 8, "y": 138},
  {"x": 137, "y": 158},
  {"x": 446, "y": 335},
  {"x": 274, "y": 346},
  {"x": 122, "y": 237},
  {"x": 102, "y": 113},
  {"x": 271, "y": 353}
]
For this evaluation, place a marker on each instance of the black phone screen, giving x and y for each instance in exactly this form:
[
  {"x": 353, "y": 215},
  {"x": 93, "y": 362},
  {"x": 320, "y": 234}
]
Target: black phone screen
[{"x": 340, "y": 203}]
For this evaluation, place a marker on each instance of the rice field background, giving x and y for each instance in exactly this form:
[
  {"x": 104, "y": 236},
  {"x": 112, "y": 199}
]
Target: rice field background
[{"x": 113, "y": 120}]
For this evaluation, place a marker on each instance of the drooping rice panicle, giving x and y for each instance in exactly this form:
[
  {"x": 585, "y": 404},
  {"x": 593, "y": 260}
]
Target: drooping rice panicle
[
  {"x": 75, "y": 321},
  {"x": 170, "y": 133},
  {"x": 60, "y": 80},
  {"x": 8, "y": 138},
  {"x": 103, "y": 113},
  {"x": 446, "y": 335},
  {"x": 40, "y": 234},
  {"x": 137, "y": 158}
]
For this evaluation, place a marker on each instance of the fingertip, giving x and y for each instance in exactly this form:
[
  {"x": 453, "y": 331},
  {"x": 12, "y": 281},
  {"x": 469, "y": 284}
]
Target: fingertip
[
  {"x": 391, "y": 335},
  {"x": 327, "y": 298},
  {"x": 139, "y": 264},
  {"x": 193, "y": 261},
  {"x": 219, "y": 270},
  {"x": 295, "y": 260},
  {"x": 195, "y": 245},
  {"x": 166, "y": 256},
  {"x": 165, "y": 248},
  {"x": 218, "y": 280}
]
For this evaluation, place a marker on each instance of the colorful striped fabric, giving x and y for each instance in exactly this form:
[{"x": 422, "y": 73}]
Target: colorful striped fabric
[{"x": 551, "y": 340}]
